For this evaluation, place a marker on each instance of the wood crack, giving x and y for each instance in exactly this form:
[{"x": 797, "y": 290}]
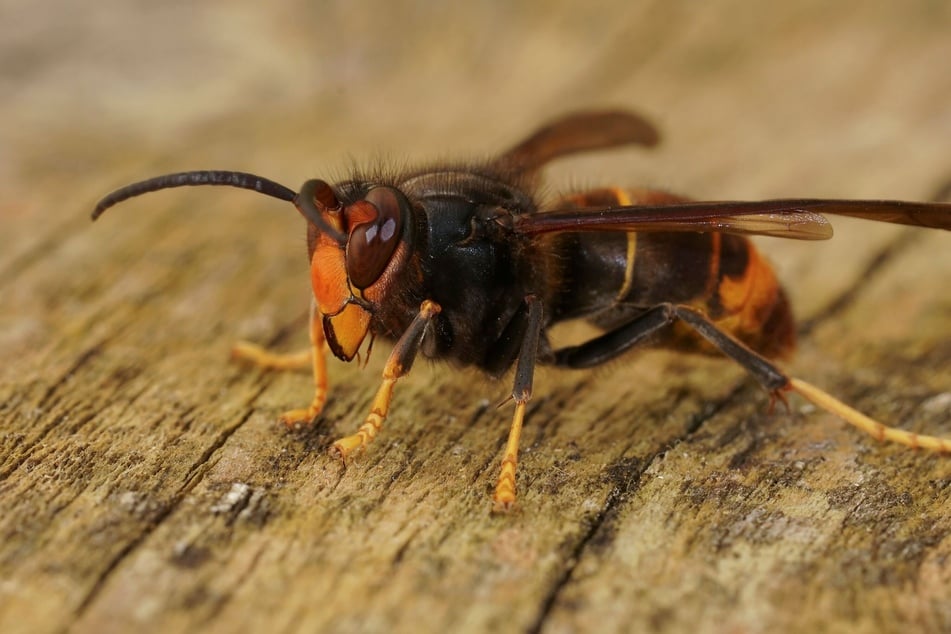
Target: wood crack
[
  {"x": 195, "y": 475},
  {"x": 612, "y": 503},
  {"x": 84, "y": 358},
  {"x": 614, "y": 498}
]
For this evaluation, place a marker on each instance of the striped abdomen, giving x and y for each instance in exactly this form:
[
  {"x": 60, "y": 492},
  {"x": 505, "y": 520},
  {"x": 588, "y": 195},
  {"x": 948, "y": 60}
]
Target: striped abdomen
[{"x": 609, "y": 277}]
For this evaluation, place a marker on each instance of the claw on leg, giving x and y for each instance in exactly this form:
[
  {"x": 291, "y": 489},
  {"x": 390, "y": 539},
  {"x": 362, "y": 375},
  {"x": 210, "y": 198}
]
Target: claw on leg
[
  {"x": 777, "y": 395},
  {"x": 299, "y": 418}
]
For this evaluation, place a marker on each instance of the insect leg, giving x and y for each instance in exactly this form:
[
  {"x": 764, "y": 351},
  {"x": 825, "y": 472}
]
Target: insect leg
[
  {"x": 762, "y": 369},
  {"x": 398, "y": 364},
  {"x": 615, "y": 342},
  {"x": 318, "y": 349},
  {"x": 315, "y": 356},
  {"x": 260, "y": 356},
  {"x": 504, "y": 497},
  {"x": 776, "y": 382}
]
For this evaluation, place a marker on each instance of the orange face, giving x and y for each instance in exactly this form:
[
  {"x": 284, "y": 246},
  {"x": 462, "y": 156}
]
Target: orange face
[{"x": 350, "y": 271}]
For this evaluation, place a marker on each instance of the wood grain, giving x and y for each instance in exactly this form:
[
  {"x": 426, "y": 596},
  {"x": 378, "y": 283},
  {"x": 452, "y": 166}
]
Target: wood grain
[{"x": 144, "y": 484}]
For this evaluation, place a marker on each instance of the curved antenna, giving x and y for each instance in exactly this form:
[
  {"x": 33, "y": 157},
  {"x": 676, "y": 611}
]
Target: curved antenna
[
  {"x": 314, "y": 193},
  {"x": 242, "y": 180}
]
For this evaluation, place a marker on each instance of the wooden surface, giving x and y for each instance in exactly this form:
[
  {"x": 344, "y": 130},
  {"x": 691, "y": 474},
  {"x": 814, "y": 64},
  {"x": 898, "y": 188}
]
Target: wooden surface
[{"x": 144, "y": 485}]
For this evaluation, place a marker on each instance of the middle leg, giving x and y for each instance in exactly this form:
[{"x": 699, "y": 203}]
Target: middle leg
[{"x": 504, "y": 497}]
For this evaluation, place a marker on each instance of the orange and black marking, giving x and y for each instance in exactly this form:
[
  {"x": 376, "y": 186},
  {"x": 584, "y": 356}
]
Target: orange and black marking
[
  {"x": 465, "y": 260},
  {"x": 623, "y": 198},
  {"x": 721, "y": 274}
]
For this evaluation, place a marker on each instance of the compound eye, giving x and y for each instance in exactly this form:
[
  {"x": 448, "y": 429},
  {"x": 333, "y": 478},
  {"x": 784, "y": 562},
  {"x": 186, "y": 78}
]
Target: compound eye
[{"x": 375, "y": 227}]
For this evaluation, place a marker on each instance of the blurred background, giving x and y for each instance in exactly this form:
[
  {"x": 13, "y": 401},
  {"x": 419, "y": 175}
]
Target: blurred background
[{"x": 85, "y": 87}]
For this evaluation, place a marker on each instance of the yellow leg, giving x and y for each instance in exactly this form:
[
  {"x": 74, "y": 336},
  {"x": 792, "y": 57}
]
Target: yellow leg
[
  {"x": 504, "y": 498},
  {"x": 263, "y": 358},
  {"x": 315, "y": 356},
  {"x": 870, "y": 426},
  {"x": 300, "y": 417},
  {"x": 347, "y": 445},
  {"x": 398, "y": 364}
]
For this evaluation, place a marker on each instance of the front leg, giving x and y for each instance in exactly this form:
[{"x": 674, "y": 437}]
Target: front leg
[
  {"x": 397, "y": 365},
  {"x": 318, "y": 354},
  {"x": 315, "y": 356}
]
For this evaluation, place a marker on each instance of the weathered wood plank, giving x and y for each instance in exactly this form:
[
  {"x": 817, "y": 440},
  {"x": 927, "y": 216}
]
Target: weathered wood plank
[{"x": 143, "y": 481}]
